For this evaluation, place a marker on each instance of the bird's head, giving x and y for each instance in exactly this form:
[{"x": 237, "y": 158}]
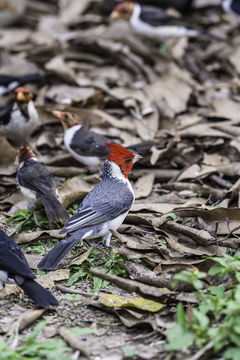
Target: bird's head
[
  {"x": 123, "y": 157},
  {"x": 25, "y": 153},
  {"x": 68, "y": 119},
  {"x": 123, "y": 11},
  {"x": 23, "y": 95}
]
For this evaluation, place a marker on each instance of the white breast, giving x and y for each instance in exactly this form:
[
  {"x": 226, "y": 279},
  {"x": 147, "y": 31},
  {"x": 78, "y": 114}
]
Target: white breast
[
  {"x": 19, "y": 127},
  {"x": 115, "y": 223},
  {"x": 86, "y": 160},
  {"x": 28, "y": 193},
  {"x": 3, "y": 276}
]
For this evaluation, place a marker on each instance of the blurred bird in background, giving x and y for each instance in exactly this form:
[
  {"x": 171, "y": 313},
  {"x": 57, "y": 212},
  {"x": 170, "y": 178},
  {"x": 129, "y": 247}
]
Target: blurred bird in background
[
  {"x": 15, "y": 269},
  {"x": 37, "y": 183}
]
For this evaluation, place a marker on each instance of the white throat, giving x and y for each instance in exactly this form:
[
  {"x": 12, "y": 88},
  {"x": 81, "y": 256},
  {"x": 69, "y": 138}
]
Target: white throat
[{"x": 116, "y": 173}]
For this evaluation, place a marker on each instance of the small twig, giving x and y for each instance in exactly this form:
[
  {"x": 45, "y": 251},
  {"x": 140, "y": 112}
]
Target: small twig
[
  {"x": 118, "y": 236},
  {"x": 14, "y": 343},
  {"x": 201, "y": 237},
  {"x": 35, "y": 213},
  {"x": 74, "y": 342},
  {"x": 72, "y": 291},
  {"x": 231, "y": 232},
  {"x": 216, "y": 237},
  {"x": 143, "y": 337},
  {"x": 199, "y": 354},
  {"x": 222, "y": 182},
  {"x": 19, "y": 227}
]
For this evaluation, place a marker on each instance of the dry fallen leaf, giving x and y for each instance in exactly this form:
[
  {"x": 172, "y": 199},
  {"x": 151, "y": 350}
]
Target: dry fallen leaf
[
  {"x": 143, "y": 186},
  {"x": 27, "y": 237},
  {"x": 137, "y": 302},
  {"x": 48, "y": 280},
  {"x": 174, "y": 91},
  {"x": 182, "y": 95},
  {"x": 73, "y": 190},
  {"x": 8, "y": 151}
]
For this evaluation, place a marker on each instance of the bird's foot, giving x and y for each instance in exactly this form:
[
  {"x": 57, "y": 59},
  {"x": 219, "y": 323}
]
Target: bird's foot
[{"x": 19, "y": 291}]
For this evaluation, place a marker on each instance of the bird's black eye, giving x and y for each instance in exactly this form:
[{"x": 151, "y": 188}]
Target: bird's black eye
[{"x": 128, "y": 160}]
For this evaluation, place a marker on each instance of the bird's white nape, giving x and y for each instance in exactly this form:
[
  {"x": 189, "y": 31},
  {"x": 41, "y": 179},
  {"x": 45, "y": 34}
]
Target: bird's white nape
[
  {"x": 86, "y": 160},
  {"x": 226, "y": 5},
  {"x": 69, "y": 133}
]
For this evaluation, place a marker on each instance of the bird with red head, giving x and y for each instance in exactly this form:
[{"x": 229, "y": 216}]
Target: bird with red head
[{"x": 102, "y": 210}]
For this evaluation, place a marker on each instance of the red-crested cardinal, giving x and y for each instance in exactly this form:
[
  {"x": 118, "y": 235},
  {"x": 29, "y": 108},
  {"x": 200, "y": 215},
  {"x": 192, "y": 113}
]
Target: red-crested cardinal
[
  {"x": 103, "y": 209},
  {"x": 154, "y": 23},
  {"x": 37, "y": 183},
  {"x": 231, "y": 7},
  {"x": 18, "y": 121},
  {"x": 14, "y": 268},
  {"x": 87, "y": 146}
]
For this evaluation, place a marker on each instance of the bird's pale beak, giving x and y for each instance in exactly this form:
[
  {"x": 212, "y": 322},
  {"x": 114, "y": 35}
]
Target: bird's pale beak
[
  {"x": 137, "y": 157},
  {"x": 114, "y": 15},
  {"x": 20, "y": 96},
  {"x": 58, "y": 114}
]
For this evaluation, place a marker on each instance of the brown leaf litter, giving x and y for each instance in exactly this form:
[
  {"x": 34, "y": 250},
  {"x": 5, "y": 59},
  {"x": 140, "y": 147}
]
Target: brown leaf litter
[{"x": 181, "y": 97}]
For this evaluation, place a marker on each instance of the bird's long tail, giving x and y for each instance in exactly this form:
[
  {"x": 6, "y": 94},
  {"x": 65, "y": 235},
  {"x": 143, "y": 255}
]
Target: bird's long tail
[
  {"x": 214, "y": 36},
  {"x": 54, "y": 209},
  {"x": 168, "y": 31},
  {"x": 38, "y": 294},
  {"x": 55, "y": 255}
]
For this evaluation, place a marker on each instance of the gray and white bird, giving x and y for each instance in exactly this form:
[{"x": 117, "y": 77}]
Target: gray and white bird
[
  {"x": 103, "y": 209},
  {"x": 87, "y": 146},
  {"x": 84, "y": 145},
  {"x": 154, "y": 23},
  {"x": 15, "y": 269},
  {"x": 36, "y": 183},
  {"x": 18, "y": 120}
]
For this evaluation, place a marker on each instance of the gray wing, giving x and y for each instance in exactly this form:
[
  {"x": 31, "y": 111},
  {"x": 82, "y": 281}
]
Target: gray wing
[
  {"x": 156, "y": 17},
  {"x": 106, "y": 201}
]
